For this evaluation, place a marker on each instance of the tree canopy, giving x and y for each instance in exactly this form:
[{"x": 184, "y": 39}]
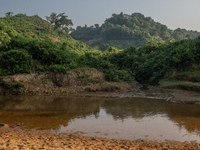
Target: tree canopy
[
  {"x": 9, "y": 14},
  {"x": 60, "y": 21},
  {"x": 52, "y": 18},
  {"x": 123, "y": 30},
  {"x": 28, "y": 45}
]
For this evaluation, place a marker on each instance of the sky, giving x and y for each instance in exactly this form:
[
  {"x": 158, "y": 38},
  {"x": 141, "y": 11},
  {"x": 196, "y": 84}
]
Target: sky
[{"x": 172, "y": 13}]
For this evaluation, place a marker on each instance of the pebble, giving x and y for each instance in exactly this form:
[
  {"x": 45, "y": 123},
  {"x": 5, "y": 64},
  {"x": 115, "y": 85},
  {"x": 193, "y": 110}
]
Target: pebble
[{"x": 20, "y": 139}]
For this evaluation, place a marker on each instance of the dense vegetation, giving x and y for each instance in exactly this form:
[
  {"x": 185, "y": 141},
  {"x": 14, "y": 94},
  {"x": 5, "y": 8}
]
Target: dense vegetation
[
  {"x": 34, "y": 27},
  {"x": 151, "y": 63},
  {"x": 22, "y": 55},
  {"x": 26, "y": 46},
  {"x": 122, "y": 31},
  {"x": 31, "y": 43}
]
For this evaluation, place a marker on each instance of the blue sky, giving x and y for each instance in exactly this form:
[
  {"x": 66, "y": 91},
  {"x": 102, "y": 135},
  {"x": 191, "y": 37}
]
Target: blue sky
[{"x": 173, "y": 13}]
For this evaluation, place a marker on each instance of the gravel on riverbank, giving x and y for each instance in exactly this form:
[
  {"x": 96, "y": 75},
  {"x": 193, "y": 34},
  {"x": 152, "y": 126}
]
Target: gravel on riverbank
[{"x": 21, "y": 139}]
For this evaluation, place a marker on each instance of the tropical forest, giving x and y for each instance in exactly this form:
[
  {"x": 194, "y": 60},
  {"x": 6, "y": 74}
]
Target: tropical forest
[{"x": 125, "y": 48}]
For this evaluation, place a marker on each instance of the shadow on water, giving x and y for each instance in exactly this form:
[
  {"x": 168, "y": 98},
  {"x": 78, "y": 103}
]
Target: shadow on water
[{"x": 111, "y": 115}]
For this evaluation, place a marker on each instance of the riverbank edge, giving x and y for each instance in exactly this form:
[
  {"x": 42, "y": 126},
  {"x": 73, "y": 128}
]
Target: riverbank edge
[
  {"x": 17, "y": 138},
  {"x": 91, "y": 82}
]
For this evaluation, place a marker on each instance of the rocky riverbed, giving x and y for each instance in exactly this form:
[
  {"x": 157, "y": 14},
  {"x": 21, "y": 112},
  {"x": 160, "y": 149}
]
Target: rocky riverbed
[{"x": 21, "y": 139}]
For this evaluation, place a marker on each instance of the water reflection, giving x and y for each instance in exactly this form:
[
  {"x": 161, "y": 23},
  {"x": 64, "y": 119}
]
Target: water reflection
[
  {"x": 135, "y": 108},
  {"x": 45, "y": 112},
  {"x": 184, "y": 115},
  {"x": 129, "y": 118}
]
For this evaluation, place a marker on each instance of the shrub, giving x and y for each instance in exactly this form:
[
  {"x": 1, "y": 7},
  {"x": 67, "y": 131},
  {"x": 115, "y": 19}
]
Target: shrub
[
  {"x": 14, "y": 61},
  {"x": 58, "y": 68}
]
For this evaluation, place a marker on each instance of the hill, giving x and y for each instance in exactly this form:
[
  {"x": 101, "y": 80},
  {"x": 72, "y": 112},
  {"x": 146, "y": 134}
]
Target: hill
[
  {"x": 122, "y": 31},
  {"x": 36, "y": 58},
  {"x": 29, "y": 43},
  {"x": 34, "y": 27},
  {"x": 27, "y": 47}
]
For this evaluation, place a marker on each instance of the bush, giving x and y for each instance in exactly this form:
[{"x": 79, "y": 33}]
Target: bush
[
  {"x": 15, "y": 61},
  {"x": 58, "y": 68},
  {"x": 10, "y": 86}
]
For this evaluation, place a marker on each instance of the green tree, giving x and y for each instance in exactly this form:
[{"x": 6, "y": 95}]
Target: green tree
[
  {"x": 52, "y": 18},
  {"x": 96, "y": 25},
  {"x": 63, "y": 23},
  {"x": 8, "y": 14}
]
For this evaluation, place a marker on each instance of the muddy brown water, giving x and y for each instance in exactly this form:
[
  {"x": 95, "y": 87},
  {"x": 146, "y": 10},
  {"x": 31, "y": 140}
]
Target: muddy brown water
[{"x": 114, "y": 118}]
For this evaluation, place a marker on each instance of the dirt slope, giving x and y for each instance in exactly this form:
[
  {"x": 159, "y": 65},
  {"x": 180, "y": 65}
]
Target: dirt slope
[
  {"x": 91, "y": 82},
  {"x": 76, "y": 81}
]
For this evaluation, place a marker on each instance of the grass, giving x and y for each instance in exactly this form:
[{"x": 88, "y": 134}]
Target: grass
[
  {"x": 85, "y": 79},
  {"x": 191, "y": 75},
  {"x": 10, "y": 86},
  {"x": 167, "y": 83},
  {"x": 83, "y": 76},
  {"x": 96, "y": 80},
  {"x": 177, "y": 84},
  {"x": 186, "y": 73},
  {"x": 110, "y": 86},
  {"x": 84, "y": 68}
]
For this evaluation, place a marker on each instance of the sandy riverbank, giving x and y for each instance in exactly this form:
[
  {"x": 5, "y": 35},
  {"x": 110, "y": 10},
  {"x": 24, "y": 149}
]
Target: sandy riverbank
[{"x": 21, "y": 139}]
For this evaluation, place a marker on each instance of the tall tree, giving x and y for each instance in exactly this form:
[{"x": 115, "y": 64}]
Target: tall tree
[
  {"x": 63, "y": 23},
  {"x": 9, "y": 14},
  {"x": 96, "y": 25},
  {"x": 52, "y": 18}
]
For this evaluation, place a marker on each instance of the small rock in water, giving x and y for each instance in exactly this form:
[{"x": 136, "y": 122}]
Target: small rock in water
[
  {"x": 20, "y": 124},
  {"x": 3, "y": 125},
  {"x": 139, "y": 140}
]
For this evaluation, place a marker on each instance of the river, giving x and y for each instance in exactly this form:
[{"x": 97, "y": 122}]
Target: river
[{"x": 119, "y": 118}]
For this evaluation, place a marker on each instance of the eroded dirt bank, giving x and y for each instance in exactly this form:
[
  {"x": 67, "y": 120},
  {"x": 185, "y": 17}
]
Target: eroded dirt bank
[
  {"x": 19, "y": 139},
  {"x": 47, "y": 83},
  {"x": 90, "y": 82}
]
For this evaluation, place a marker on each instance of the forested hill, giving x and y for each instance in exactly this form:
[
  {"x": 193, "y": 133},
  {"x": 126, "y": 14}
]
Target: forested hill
[
  {"x": 31, "y": 44},
  {"x": 122, "y": 30},
  {"x": 34, "y": 27}
]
